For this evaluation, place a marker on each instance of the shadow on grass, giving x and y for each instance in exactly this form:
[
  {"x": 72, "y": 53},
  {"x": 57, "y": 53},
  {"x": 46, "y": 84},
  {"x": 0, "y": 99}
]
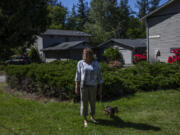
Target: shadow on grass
[
  {"x": 119, "y": 123},
  {"x": 115, "y": 97}
]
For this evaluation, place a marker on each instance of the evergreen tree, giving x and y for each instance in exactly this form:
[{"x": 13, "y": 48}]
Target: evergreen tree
[
  {"x": 74, "y": 11},
  {"x": 77, "y": 19},
  {"x": 143, "y": 6},
  {"x": 146, "y": 6},
  {"x": 98, "y": 12},
  {"x": 72, "y": 19},
  {"x": 154, "y": 4},
  {"x": 102, "y": 19},
  {"x": 108, "y": 20},
  {"x": 123, "y": 15},
  {"x": 53, "y": 2},
  {"x": 112, "y": 17},
  {"x": 135, "y": 29},
  {"x": 82, "y": 14},
  {"x": 57, "y": 15}
]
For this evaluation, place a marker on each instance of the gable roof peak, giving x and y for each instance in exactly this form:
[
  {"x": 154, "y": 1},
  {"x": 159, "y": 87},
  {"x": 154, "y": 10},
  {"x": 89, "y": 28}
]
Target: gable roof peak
[{"x": 158, "y": 9}]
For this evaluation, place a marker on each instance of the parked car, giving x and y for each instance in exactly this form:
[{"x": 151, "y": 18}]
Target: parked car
[
  {"x": 19, "y": 60},
  {"x": 139, "y": 57}
]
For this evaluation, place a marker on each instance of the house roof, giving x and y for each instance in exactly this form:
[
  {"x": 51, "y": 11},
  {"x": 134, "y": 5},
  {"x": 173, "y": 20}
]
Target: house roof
[
  {"x": 158, "y": 9},
  {"x": 64, "y": 46},
  {"x": 132, "y": 43},
  {"x": 65, "y": 33}
]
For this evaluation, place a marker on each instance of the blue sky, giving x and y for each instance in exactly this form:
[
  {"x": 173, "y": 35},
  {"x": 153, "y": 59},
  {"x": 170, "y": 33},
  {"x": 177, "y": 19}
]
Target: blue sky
[{"x": 69, "y": 3}]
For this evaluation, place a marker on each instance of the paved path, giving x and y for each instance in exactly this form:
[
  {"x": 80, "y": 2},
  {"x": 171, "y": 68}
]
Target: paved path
[{"x": 2, "y": 78}]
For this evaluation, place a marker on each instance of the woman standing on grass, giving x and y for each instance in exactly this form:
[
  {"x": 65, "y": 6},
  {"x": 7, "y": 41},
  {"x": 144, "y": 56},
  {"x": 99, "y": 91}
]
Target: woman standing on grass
[{"x": 89, "y": 79}]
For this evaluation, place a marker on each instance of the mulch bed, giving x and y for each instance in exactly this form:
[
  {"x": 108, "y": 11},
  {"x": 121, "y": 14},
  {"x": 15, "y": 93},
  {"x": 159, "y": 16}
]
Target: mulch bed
[{"x": 29, "y": 96}]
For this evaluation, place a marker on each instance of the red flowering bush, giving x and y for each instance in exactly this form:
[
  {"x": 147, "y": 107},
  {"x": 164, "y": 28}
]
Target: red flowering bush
[
  {"x": 139, "y": 57},
  {"x": 175, "y": 58}
]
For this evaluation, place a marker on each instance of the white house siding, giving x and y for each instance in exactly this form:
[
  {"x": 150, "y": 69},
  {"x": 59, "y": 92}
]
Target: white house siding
[
  {"x": 126, "y": 54},
  {"x": 125, "y": 51},
  {"x": 39, "y": 45},
  {"x": 164, "y": 32}
]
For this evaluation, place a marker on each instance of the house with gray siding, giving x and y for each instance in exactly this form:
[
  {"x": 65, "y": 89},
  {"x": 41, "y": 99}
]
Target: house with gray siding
[
  {"x": 61, "y": 44},
  {"x": 163, "y": 31},
  {"x": 127, "y": 48}
]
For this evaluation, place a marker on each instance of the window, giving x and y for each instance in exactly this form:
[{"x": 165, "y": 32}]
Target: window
[
  {"x": 171, "y": 50},
  {"x": 67, "y": 39}
]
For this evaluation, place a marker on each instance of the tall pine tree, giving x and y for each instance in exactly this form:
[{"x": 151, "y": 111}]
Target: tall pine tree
[
  {"x": 108, "y": 19},
  {"x": 101, "y": 19},
  {"x": 82, "y": 14},
  {"x": 57, "y": 15},
  {"x": 143, "y": 6},
  {"x": 135, "y": 28},
  {"x": 123, "y": 15},
  {"x": 154, "y": 4},
  {"x": 146, "y": 6},
  {"x": 72, "y": 20}
]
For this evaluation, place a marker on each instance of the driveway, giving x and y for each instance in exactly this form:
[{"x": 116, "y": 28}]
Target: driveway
[{"x": 2, "y": 78}]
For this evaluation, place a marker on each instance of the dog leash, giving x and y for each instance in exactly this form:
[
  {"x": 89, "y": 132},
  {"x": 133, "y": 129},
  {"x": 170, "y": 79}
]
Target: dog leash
[{"x": 101, "y": 104}]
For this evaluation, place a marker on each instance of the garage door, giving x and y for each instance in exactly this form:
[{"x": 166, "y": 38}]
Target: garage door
[{"x": 127, "y": 56}]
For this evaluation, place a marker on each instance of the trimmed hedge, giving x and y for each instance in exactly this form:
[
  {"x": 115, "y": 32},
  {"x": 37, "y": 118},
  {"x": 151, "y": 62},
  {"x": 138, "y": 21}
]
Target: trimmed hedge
[
  {"x": 51, "y": 79},
  {"x": 56, "y": 79}
]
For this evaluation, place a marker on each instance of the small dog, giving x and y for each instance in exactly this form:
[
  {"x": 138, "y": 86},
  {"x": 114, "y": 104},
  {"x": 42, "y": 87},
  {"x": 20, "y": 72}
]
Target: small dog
[{"x": 110, "y": 111}]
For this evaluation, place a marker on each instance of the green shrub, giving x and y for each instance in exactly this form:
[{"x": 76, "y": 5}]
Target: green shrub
[
  {"x": 56, "y": 79},
  {"x": 34, "y": 55},
  {"x": 112, "y": 54}
]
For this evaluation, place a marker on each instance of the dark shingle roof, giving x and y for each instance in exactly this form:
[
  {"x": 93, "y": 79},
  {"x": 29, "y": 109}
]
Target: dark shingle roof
[
  {"x": 65, "y": 33},
  {"x": 63, "y": 46},
  {"x": 133, "y": 43},
  {"x": 158, "y": 9}
]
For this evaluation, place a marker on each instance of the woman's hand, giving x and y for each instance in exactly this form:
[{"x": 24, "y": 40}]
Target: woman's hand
[
  {"x": 100, "y": 91},
  {"x": 77, "y": 88},
  {"x": 76, "y": 91}
]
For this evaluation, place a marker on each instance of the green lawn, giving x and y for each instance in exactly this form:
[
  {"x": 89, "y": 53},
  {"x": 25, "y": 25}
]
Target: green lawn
[{"x": 151, "y": 113}]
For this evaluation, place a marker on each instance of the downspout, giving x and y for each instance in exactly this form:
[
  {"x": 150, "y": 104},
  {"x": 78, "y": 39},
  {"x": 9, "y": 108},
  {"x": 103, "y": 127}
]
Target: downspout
[
  {"x": 69, "y": 54},
  {"x": 132, "y": 58},
  {"x": 147, "y": 38}
]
